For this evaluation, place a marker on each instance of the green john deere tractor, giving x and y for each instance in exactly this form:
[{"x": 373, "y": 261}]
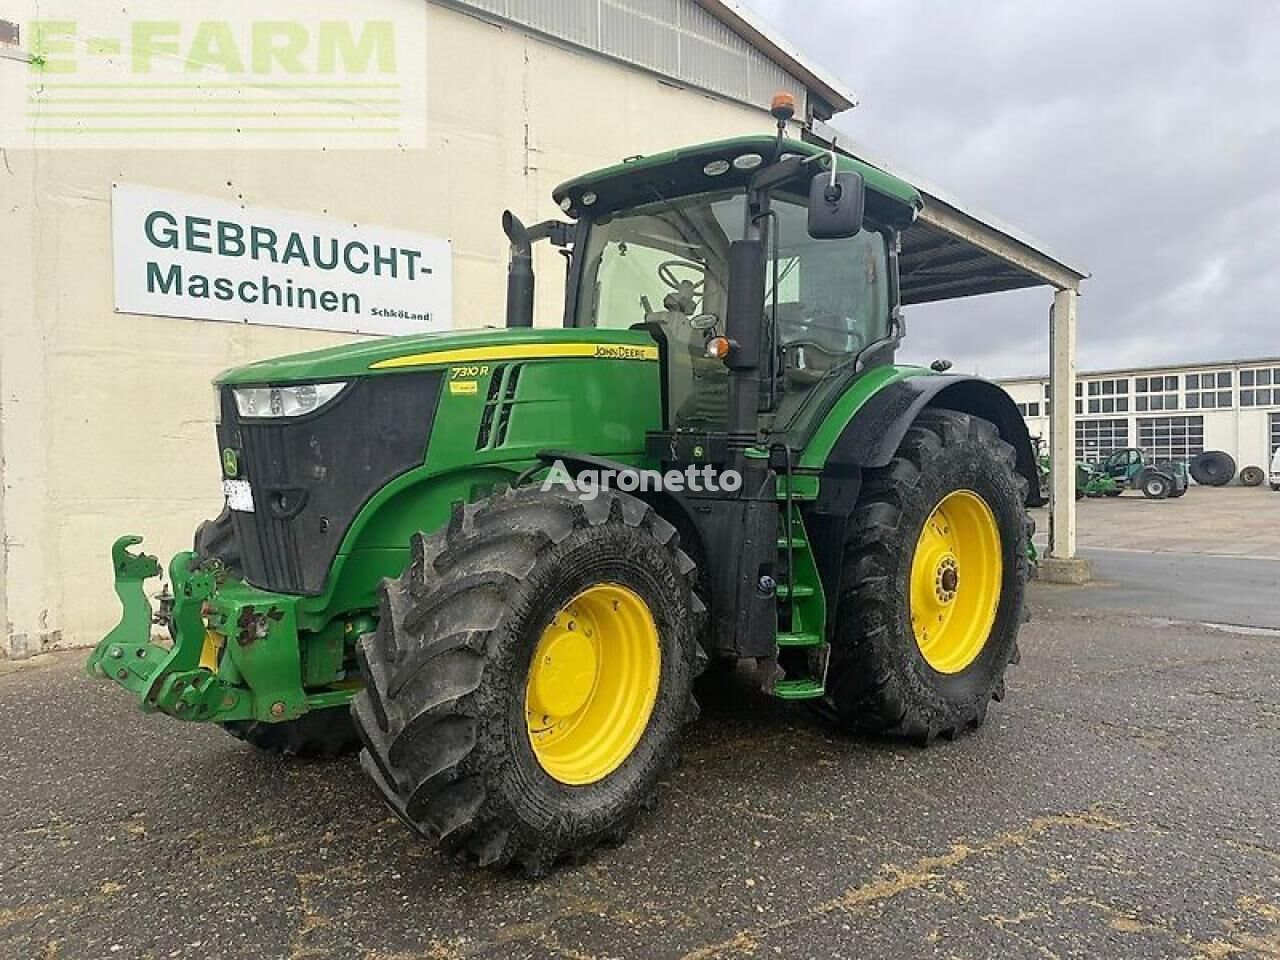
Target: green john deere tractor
[{"x": 454, "y": 552}]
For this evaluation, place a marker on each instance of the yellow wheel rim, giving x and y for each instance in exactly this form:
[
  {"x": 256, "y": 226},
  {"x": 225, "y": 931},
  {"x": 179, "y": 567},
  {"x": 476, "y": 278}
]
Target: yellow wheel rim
[
  {"x": 592, "y": 684},
  {"x": 955, "y": 581}
]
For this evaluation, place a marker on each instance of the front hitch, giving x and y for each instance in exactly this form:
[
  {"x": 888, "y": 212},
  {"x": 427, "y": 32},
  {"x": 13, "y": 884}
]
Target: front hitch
[
  {"x": 235, "y": 652},
  {"x": 180, "y": 680}
]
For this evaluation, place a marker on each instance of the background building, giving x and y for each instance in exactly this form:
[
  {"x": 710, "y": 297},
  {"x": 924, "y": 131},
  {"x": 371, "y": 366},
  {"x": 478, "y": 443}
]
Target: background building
[{"x": 1169, "y": 412}]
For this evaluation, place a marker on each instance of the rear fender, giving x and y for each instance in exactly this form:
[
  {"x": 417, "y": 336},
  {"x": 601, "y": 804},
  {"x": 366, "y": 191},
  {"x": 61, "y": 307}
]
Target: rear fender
[{"x": 873, "y": 434}]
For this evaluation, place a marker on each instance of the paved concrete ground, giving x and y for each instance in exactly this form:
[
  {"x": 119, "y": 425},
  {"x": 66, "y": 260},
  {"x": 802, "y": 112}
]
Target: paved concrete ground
[
  {"x": 1231, "y": 521},
  {"x": 1120, "y": 803},
  {"x": 1177, "y": 586}
]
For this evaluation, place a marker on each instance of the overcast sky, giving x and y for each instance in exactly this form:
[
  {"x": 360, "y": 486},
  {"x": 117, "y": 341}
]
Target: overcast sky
[{"x": 1138, "y": 139}]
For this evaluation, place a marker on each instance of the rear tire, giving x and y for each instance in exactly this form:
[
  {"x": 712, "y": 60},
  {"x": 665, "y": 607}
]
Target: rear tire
[
  {"x": 880, "y": 681},
  {"x": 448, "y": 740}
]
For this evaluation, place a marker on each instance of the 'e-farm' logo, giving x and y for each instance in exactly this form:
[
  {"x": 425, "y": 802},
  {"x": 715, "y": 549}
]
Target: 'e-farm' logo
[{"x": 125, "y": 79}]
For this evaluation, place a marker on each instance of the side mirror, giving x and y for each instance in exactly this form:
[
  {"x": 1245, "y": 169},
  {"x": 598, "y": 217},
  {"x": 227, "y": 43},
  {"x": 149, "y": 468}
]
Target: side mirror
[{"x": 836, "y": 205}]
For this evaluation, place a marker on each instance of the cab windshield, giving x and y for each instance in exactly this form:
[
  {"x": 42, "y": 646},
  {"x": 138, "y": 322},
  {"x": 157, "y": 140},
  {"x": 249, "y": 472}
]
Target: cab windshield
[{"x": 667, "y": 263}]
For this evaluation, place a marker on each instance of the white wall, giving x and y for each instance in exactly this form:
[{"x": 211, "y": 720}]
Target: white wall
[
  {"x": 106, "y": 420},
  {"x": 1254, "y": 446}
]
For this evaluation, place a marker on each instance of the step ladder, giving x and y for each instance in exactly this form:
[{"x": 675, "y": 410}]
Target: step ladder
[{"x": 802, "y": 648}]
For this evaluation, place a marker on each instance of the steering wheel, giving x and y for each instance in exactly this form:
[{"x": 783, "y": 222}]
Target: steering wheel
[{"x": 666, "y": 273}]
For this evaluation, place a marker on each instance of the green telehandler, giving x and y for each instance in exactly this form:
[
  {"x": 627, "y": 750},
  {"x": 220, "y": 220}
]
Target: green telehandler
[
  {"x": 494, "y": 561},
  {"x": 1128, "y": 469}
]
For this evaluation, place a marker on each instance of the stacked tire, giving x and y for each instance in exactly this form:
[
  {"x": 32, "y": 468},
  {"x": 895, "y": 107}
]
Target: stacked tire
[{"x": 1213, "y": 468}]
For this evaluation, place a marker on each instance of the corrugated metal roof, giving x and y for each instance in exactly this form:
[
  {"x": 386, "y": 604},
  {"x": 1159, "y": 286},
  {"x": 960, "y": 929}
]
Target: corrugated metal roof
[
  {"x": 748, "y": 25},
  {"x": 935, "y": 265},
  {"x": 713, "y": 45}
]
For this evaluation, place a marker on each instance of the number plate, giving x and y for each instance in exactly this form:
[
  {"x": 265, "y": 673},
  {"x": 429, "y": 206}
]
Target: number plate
[{"x": 239, "y": 495}]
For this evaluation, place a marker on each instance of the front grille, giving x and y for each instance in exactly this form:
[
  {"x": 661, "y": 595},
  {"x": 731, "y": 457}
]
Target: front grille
[
  {"x": 311, "y": 475},
  {"x": 274, "y": 544}
]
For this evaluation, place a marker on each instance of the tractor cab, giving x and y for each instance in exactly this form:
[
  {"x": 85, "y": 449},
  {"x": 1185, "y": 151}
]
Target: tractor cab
[
  {"x": 665, "y": 267},
  {"x": 722, "y": 253},
  {"x": 1122, "y": 464}
]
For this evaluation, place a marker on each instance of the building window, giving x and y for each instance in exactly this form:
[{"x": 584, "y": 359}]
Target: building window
[
  {"x": 1097, "y": 438},
  {"x": 1260, "y": 387},
  {"x": 1108, "y": 396},
  {"x": 1208, "y": 391},
  {"x": 1275, "y": 433},
  {"x": 1171, "y": 438},
  {"x": 1155, "y": 393}
]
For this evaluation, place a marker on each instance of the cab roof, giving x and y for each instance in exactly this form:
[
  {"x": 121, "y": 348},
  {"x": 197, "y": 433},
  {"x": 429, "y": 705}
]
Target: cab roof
[{"x": 680, "y": 172}]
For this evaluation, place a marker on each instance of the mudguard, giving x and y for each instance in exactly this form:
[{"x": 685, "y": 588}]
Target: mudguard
[{"x": 873, "y": 434}]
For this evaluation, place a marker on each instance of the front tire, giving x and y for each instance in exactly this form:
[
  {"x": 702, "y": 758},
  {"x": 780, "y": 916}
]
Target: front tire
[
  {"x": 933, "y": 583},
  {"x": 1155, "y": 485},
  {"x": 318, "y": 734},
  {"x": 494, "y": 648}
]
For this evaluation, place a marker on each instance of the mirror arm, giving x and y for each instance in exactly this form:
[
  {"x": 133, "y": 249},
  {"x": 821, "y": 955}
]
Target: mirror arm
[
  {"x": 559, "y": 232},
  {"x": 777, "y": 173}
]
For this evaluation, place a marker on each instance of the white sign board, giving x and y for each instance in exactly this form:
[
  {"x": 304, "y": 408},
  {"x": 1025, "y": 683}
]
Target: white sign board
[{"x": 180, "y": 255}]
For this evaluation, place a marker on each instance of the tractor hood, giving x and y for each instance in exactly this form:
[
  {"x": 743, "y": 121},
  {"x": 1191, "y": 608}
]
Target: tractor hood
[{"x": 391, "y": 355}]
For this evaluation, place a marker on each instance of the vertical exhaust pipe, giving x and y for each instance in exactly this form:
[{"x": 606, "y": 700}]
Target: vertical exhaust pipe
[{"x": 519, "y": 272}]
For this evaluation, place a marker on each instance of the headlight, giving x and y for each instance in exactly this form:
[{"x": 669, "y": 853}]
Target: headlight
[{"x": 259, "y": 402}]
